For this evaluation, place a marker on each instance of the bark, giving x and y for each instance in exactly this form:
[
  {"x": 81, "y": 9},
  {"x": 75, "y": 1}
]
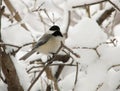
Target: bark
[
  {"x": 8, "y": 68},
  {"x": 9, "y": 71},
  {"x": 105, "y": 15}
]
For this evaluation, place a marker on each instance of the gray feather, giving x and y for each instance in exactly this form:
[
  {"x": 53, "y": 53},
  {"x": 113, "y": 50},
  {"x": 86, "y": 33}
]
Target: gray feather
[{"x": 42, "y": 40}]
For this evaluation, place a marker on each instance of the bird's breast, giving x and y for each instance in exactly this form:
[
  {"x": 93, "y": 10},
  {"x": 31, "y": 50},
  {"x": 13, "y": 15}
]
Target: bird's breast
[{"x": 51, "y": 46}]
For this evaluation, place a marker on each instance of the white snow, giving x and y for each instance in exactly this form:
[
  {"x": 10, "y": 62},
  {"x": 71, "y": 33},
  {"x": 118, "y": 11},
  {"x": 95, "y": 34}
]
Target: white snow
[{"x": 84, "y": 35}]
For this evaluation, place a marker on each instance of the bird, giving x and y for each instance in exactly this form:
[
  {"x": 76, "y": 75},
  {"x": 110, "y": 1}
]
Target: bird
[{"x": 49, "y": 43}]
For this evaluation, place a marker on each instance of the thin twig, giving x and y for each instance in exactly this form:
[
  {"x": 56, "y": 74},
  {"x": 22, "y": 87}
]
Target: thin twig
[
  {"x": 19, "y": 47},
  {"x": 3, "y": 79},
  {"x": 68, "y": 23},
  {"x": 1, "y": 43},
  {"x": 25, "y": 5},
  {"x": 52, "y": 78},
  {"x": 17, "y": 15},
  {"x": 41, "y": 5},
  {"x": 114, "y": 5},
  {"x": 88, "y": 11},
  {"x": 76, "y": 76},
  {"x": 51, "y": 65},
  {"x": 33, "y": 68},
  {"x": 63, "y": 64},
  {"x": 93, "y": 3},
  {"x": 35, "y": 71},
  {"x": 27, "y": 44},
  {"x": 42, "y": 20},
  {"x": 116, "y": 65},
  {"x": 77, "y": 6},
  {"x": 95, "y": 48},
  {"x": 118, "y": 87},
  {"x": 99, "y": 86},
  {"x": 70, "y": 51},
  {"x": 39, "y": 8},
  {"x": 48, "y": 16}
]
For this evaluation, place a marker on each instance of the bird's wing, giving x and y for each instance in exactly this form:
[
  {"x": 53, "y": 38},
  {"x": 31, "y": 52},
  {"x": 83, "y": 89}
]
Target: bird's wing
[{"x": 42, "y": 40}]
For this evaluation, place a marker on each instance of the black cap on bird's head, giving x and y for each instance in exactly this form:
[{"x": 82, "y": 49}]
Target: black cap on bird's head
[{"x": 54, "y": 28}]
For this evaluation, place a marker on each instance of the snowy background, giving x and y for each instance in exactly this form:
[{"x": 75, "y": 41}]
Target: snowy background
[{"x": 99, "y": 62}]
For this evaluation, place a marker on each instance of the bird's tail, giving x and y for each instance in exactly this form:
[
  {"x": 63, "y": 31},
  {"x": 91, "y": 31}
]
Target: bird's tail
[{"x": 27, "y": 55}]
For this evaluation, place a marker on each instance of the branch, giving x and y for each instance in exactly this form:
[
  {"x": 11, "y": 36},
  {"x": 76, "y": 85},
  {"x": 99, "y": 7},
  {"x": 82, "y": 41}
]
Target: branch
[
  {"x": 76, "y": 77},
  {"x": 39, "y": 8},
  {"x": 2, "y": 44},
  {"x": 68, "y": 23},
  {"x": 99, "y": 86},
  {"x": 51, "y": 77},
  {"x": 13, "y": 11},
  {"x": 78, "y": 6},
  {"x": 19, "y": 47},
  {"x": 76, "y": 55},
  {"x": 114, "y": 5},
  {"x": 95, "y": 48},
  {"x": 10, "y": 73},
  {"x": 116, "y": 65},
  {"x": 105, "y": 15},
  {"x": 59, "y": 64}
]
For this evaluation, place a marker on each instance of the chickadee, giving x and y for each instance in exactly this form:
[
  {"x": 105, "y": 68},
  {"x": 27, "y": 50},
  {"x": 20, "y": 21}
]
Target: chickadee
[{"x": 48, "y": 43}]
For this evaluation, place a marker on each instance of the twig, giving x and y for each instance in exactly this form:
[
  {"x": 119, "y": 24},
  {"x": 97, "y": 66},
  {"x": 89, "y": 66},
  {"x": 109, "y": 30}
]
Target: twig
[
  {"x": 63, "y": 64},
  {"x": 25, "y": 45},
  {"x": 88, "y": 11},
  {"x": 114, "y": 5},
  {"x": 53, "y": 18},
  {"x": 41, "y": 19},
  {"x": 25, "y": 5},
  {"x": 39, "y": 8},
  {"x": 48, "y": 16},
  {"x": 3, "y": 79},
  {"x": 116, "y": 65},
  {"x": 19, "y": 47},
  {"x": 76, "y": 76},
  {"x": 1, "y": 43},
  {"x": 36, "y": 71},
  {"x": 77, "y": 6},
  {"x": 52, "y": 21},
  {"x": 50, "y": 65},
  {"x": 38, "y": 61},
  {"x": 52, "y": 78},
  {"x": 33, "y": 68},
  {"x": 99, "y": 86},
  {"x": 2, "y": 8},
  {"x": 8, "y": 16},
  {"x": 16, "y": 16},
  {"x": 106, "y": 14},
  {"x": 118, "y": 87},
  {"x": 70, "y": 51},
  {"x": 95, "y": 48},
  {"x": 68, "y": 23}
]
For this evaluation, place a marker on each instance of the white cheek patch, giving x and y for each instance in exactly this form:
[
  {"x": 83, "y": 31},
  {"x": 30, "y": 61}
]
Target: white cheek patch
[{"x": 50, "y": 32}]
